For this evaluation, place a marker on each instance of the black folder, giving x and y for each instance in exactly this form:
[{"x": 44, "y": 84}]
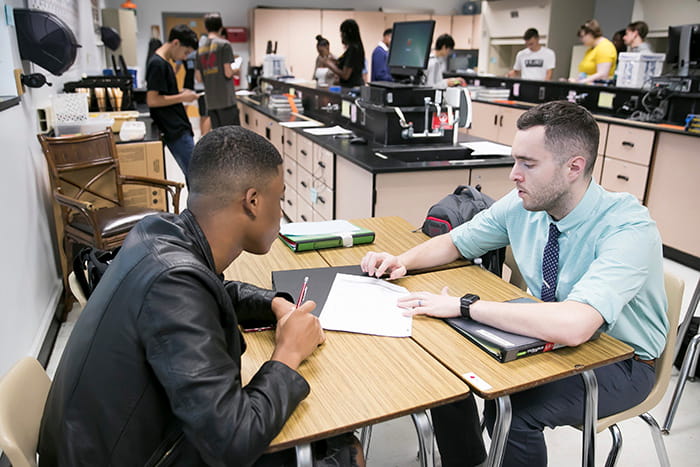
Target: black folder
[{"x": 319, "y": 285}]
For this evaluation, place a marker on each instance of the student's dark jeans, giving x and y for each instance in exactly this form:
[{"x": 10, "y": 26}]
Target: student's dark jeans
[
  {"x": 181, "y": 148},
  {"x": 620, "y": 386}
]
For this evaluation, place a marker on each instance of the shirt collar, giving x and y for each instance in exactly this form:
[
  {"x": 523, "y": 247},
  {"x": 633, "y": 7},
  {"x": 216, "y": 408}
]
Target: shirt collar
[
  {"x": 383, "y": 45},
  {"x": 583, "y": 210}
]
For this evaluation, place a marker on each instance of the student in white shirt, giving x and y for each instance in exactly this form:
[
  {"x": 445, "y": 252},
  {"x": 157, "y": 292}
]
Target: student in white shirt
[
  {"x": 437, "y": 64},
  {"x": 535, "y": 61}
]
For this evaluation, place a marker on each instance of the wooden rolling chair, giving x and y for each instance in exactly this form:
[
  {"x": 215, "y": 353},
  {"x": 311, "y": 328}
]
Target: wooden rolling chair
[
  {"x": 674, "y": 293},
  {"x": 23, "y": 393},
  {"x": 87, "y": 188}
]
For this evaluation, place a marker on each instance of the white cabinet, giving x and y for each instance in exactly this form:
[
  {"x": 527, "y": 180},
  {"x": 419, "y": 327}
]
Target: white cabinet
[
  {"x": 511, "y": 18},
  {"x": 494, "y": 122},
  {"x": 627, "y": 156}
]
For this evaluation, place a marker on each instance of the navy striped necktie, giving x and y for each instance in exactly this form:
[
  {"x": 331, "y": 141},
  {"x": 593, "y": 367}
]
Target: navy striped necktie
[{"x": 550, "y": 265}]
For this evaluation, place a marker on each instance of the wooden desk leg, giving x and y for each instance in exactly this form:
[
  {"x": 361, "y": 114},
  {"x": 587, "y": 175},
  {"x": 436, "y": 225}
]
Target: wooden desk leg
[
  {"x": 589, "y": 418},
  {"x": 304, "y": 456},
  {"x": 504, "y": 414},
  {"x": 425, "y": 438}
]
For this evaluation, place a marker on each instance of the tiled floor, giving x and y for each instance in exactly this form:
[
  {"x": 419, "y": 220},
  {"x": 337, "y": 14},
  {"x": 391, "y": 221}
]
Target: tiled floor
[{"x": 394, "y": 443}]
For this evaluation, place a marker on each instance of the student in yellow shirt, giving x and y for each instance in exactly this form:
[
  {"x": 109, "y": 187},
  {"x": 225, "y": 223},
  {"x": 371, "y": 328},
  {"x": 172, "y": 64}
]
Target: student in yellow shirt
[{"x": 599, "y": 60}]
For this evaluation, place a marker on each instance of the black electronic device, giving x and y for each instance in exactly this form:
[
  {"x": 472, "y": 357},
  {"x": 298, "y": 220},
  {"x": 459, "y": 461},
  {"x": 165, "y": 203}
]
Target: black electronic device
[
  {"x": 463, "y": 60},
  {"x": 684, "y": 47},
  {"x": 395, "y": 94},
  {"x": 410, "y": 49},
  {"x": 44, "y": 39},
  {"x": 125, "y": 83},
  {"x": 684, "y": 84}
]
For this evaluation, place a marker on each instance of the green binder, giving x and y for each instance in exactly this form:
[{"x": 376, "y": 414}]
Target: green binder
[{"x": 317, "y": 242}]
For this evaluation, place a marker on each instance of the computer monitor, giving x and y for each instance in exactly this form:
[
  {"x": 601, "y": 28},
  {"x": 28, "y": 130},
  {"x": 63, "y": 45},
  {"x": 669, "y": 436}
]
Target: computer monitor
[
  {"x": 463, "y": 60},
  {"x": 684, "y": 47},
  {"x": 410, "y": 48}
]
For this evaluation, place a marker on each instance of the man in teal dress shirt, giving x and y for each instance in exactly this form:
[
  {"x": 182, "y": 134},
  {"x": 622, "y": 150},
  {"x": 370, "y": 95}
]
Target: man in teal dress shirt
[{"x": 607, "y": 274}]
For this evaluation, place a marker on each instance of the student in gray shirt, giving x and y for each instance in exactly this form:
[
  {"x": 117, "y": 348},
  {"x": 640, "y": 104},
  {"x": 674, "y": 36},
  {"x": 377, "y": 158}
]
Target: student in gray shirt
[
  {"x": 214, "y": 58},
  {"x": 634, "y": 37}
]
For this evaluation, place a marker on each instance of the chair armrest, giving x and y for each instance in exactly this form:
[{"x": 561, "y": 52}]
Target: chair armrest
[
  {"x": 84, "y": 208},
  {"x": 174, "y": 188}
]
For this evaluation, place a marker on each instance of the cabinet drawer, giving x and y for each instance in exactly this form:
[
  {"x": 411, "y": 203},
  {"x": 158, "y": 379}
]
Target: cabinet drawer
[
  {"x": 290, "y": 171},
  {"x": 304, "y": 153},
  {"x": 323, "y": 166},
  {"x": 323, "y": 199},
  {"x": 624, "y": 176},
  {"x": 598, "y": 169},
  {"x": 630, "y": 144},
  {"x": 304, "y": 184},
  {"x": 290, "y": 143},
  {"x": 304, "y": 211},
  {"x": 290, "y": 203},
  {"x": 318, "y": 217}
]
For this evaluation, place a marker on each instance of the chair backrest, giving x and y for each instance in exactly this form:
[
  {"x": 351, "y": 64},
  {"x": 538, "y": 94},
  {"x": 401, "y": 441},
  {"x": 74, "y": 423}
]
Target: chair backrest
[
  {"x": 674, "y": 294},
  {"x": 85, "y": 167},
  {"x": 23, "y": 393}
]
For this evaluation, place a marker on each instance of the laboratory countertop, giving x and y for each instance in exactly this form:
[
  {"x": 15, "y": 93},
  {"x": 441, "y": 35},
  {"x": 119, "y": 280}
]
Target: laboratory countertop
[{"x": 365, "y": 155}]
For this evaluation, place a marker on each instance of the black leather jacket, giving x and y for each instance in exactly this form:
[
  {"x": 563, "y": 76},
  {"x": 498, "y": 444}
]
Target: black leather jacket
[{"x": 156, "y": 353}]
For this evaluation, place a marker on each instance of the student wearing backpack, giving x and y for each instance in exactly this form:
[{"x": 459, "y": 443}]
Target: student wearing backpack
[{"x": 594, "y": 257}]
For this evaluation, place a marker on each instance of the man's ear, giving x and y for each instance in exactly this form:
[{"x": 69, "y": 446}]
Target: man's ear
[
  {"x": 577, "y": 166},
  {"x": 251, "y": 203}
]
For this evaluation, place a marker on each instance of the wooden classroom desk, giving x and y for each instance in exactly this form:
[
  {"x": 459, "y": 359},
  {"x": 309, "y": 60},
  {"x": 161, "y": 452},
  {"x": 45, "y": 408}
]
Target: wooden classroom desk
[
  {"x": 487, "y": 377},
  {"x": 356, "y": 380}
]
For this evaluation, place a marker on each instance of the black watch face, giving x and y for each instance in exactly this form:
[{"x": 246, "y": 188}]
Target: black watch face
[{"x": 470, "y": 298}]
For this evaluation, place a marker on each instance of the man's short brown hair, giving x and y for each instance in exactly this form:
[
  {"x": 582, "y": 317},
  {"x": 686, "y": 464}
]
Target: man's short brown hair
[{"x": 569, "y": 130}]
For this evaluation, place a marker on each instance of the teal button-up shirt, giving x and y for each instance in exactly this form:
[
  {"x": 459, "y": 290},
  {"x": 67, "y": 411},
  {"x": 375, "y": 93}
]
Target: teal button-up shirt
[{"x": 609, "y": 258}]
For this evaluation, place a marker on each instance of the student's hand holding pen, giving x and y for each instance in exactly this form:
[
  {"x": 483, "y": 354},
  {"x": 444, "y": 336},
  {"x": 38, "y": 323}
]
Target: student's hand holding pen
[
  {"x": 298, "y": 334},
  {"x": 376, "y": 264}
]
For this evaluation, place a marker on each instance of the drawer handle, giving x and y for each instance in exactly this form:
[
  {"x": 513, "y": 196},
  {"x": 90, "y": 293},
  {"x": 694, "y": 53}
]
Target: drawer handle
[
  {"x": 303, "y": 217},
  {"x": 500, "y": 121},
  {"x": 289, "y": 202},
  {"x": 304, "y": 153},
  {"x": 495, "y": 120},
  {"x": 624, "y": 177},
  {"x": 628, "y": 144},
  {"x": 322, "y": 164},
  {"x": 289, "y": 171},
  {"x": 303, "y": 184},
  {"x": 289, "y": 142},
  {"x": 321, "y": 200}
]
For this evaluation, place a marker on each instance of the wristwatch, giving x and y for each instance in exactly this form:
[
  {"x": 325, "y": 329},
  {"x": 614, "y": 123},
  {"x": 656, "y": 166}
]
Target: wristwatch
[{"x": 464, "y": 304}]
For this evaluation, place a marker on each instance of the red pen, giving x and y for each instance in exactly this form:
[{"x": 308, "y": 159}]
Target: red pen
[{"x": 302, "y": 292}]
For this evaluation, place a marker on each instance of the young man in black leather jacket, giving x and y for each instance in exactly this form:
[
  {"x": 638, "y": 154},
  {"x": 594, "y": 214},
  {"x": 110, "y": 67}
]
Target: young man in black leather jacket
[{"x": 151, "y": 373}]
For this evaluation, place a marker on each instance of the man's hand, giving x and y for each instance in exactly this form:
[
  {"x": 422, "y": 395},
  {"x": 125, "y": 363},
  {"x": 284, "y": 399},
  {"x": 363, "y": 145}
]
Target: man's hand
[
  {"x": 298, "y": 334},
  {"x": 188, "y": 95},
  {"x": 424, "y": 303},
  {"x": 376, "y": 264}
]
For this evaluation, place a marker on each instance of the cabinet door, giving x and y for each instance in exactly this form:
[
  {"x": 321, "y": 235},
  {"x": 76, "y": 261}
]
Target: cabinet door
[
  {"x": 674, "y": 191},
  {"x": 244, "y": 114},
  {"x": 301, "y": 42},
  {"x": 324, "y": 166},
  {"x": 507, "y": 120},
  {"x": 269, "y": 24},
  {"x": 290, "y": 143},
  {"x": 476, "y": 31},
  {"x": 398, "y": 195},
  {"x": 305, "y": 153},
  {"x": 494, "y": 181},
  {"x": 630, "y": 144},
  {"x": 443, "y": 25},
  {"x": 354, "y": 190},
  {"x": 484, "y": 121},
  {"x": 330, "y": 29},
  {"x": 290, "y": 203},
  {"x": 324, "y": 200},
  {"x": 462, "y": 31},
  {"x": 305, "y": 212},
  {"x": 290, "y": 171},
  {"x": 371, "y": 25},
  {"x": 304, "y": 184},
  {"x": 623, "y": 176}
]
